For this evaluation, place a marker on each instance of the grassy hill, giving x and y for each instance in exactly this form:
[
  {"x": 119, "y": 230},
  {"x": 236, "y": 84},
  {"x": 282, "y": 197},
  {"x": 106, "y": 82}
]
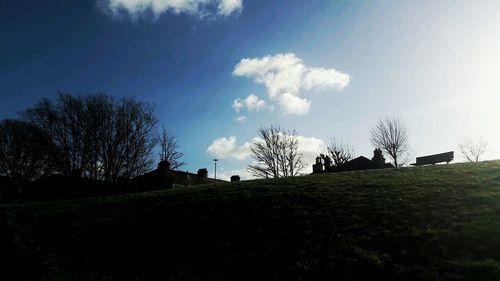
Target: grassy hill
[{"x": 424, "y": 223}]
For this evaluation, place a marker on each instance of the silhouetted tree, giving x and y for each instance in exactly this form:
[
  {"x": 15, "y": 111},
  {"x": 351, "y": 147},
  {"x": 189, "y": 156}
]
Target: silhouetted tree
[
  {"x": 169, "y": 149},
  {"x": 97, "y": 136},
  {"x": 137, "y": 124},
  {"x": 99, "y": 131},
  {"x": 23, "y": 154},
  {"x": 391, "y": 136},
  {"x": 275, "y": 153},
  {"x": 472, "y": 149},
  {"x": 61, "y": 122},
  {"x": 340, "y": 152}
]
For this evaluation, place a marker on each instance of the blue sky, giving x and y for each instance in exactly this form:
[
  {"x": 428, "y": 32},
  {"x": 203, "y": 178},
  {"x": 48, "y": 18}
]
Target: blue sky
[{"x": 343, "y": 64}]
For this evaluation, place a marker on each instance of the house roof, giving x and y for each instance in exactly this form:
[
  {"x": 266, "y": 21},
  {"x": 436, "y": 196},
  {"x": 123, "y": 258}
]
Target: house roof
[{"x": 360, "y": 163}]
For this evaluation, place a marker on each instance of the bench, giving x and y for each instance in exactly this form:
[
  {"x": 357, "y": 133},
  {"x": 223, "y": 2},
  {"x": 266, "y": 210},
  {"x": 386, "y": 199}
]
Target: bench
[{"x": 433, "y": 159}]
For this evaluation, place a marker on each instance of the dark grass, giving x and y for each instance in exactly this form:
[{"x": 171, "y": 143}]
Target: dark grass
[{"x": 425, "y": 223}]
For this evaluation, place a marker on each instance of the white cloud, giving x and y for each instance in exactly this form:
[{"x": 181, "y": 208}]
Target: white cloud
[
  {"x": 238, "y": 105},
  {"x": 143, "y": 8},
  {"x": 286, "y": 76},
  {"x": 226, "y": 148},
  {"x": 241, "y": 119},
  {"x": 293, "y": 104},
  {"x": 227, "y": 7},
  {"x": 252, "y": 102},
  {"x": 324, "y": 79}
]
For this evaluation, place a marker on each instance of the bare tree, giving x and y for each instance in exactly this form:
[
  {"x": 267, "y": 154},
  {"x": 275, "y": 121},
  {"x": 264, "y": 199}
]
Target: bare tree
[
  {"x": 340, "y": 152},
  {"x": 97, "y": 136},
  {"x": 275, "y": 153},
  {"x": 61, "y": 122},
  {"x": 138, "y": 124},
  {"x": 391, "y": 135},
  {"x": 22, "y": 151},
  {"x": 99, "y": 129},
  {"x": 472, "y": 150},
  {"x": 169, "y": 149}
]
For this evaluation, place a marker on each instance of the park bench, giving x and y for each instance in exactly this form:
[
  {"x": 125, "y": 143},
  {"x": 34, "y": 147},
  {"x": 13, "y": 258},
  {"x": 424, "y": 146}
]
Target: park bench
[{"x": 434, "y": 159}]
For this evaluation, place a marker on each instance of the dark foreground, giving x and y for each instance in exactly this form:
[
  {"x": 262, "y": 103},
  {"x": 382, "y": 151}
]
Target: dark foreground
[{"x": 426, "y": 223}]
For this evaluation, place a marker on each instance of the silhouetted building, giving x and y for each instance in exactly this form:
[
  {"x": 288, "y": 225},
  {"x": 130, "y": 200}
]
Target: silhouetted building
[
  {"x": 360, "y": 163},
  {"x": 235, "y": 178},
  {"x": 318, "y": 166},
  {"x": 323, "y": 164},
  {"x": 163, "y": 170},
  {"x": 202, "y": 173}
]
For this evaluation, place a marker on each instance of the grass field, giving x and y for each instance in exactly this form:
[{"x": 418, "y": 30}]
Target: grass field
[{"x": 425, "y": 223}]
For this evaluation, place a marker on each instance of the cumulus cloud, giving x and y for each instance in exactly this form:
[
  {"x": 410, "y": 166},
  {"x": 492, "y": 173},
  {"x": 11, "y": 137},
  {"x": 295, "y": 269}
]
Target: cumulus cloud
[
  {"x": 286, "y": 77},
  {"x": 144, "y": 8},
  {"x": 252, "y": 102},
  {"x": 226, "y": 148}
]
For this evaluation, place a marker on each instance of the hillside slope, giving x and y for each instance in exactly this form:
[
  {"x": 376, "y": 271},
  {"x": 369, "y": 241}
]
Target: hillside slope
[{"x": 425, "y": 223}]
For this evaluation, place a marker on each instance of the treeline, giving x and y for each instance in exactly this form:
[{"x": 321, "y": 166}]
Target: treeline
[
  {"x": 275, "y": 152},
  {"x": 96, "y": 137}
]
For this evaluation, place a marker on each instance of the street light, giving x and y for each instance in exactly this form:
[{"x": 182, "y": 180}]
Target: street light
[{"x": 215, "y": 173}]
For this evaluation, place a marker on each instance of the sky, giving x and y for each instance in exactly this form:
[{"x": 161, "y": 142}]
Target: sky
[{"x": 218, "y": 70}]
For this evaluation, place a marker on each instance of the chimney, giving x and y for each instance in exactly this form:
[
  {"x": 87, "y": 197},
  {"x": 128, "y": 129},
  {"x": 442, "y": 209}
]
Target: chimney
[
  {"x": 202, "y": 173},
  {"x": 164, "y": 169},
  {"x": 378, "y": 159},
  {"x": 318, "y": 167},
  {"x": 328, "y": 162}
]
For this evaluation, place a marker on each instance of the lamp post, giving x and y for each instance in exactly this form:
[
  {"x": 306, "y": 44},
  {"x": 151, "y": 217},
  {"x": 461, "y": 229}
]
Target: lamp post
[{"x": 215, "y": 170}]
